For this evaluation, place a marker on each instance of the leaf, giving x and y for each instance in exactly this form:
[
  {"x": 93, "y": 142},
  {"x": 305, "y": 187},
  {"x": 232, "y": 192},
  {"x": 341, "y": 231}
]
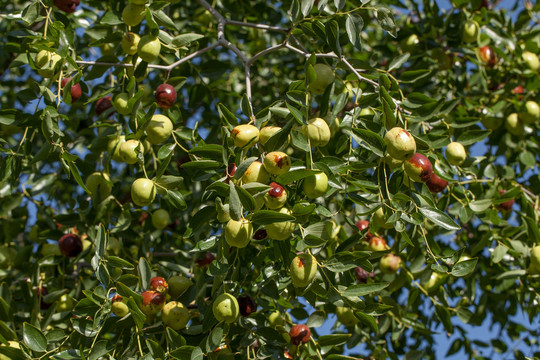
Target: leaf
[
  {"x": 213, "y": 151},
  {"x": 398, "y": 61},
  {"x": 371, "y": 141},
  {"x": 264, "y": 217},
  {"x": 464, "y": 268},
  {"x": 235, "y": 206},
  {"x": 246, "y": 199},
  {"x": 470, "y": 137},
  {"x": 185, "y": 39},
  {"x": 201, "y": 164},
  {"x": 364, "y": 289},
  {"x": 176, "y": 199},
  {"x": 145, "y": 272},
  {"x": 439, "y": 218},
  {"x": 241, "y": 169},
  {"x": 353, "y": 26},
  {"x": 333, "y": 339},
  {"x": 479, "y": 206},
  {"x": 294, "y": 175},
  {"x": 386, "y": 20},
  {"x": 306, "y": 7},
  {"x": 34, "y": 338},
  {"x": 332, "y": 36}
]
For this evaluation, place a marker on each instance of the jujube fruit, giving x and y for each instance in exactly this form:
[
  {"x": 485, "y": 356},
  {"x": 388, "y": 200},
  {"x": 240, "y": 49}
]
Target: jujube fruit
[
  {"x": 315, "y": 185},
  {"x": 303, "y": 270},
  {"x": 165, "y": 96},
  {"x": 158, "y": 283},
  {"x": 70, "y": 245},
  {"x": 456, "y": 153},
  {"x": 225, "y": 308},
  {"x": 400, "y": 144},
  {"x": 418, "y": 168},
  {"x": 152, "y": 302},
  {"x": 238, "y": 233},
  {"x": 143, "y": 192},
  {"x": 277, "y": 163},
  {"x": 256, "y": 173},
  {"x": 245, "y": 135},
  {"x": 159, "y": 129},
  {"x": 276, "y": 197},
  {"x": 281, "y": 230},
  {"x": 300, "y": 334},
  {"x": 324, "y": 77},
  {"x": 161, "y": 218},
  {"x": 175, "y": 315},
  {"x": 317, "y": 131}
]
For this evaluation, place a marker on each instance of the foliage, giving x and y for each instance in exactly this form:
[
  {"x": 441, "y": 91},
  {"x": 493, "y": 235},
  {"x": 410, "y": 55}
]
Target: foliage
[{"x": 253, "y": 62}]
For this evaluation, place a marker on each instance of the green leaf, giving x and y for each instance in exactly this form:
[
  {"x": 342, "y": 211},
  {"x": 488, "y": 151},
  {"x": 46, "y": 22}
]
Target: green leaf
[
  {"x": 235, "y": 205},
  {"x": 479, "y": 206},
  {"x": 213, "y": 151},
  {"x": 333, "y": 339},
  {"x": 332, "y": 36},
  {"x": 364, "y": 289},
  {"x": 201, "y": 164},
  {"x": 176, "y": 199},
  {"x": 294, "y": 175},
  {"x": 386, "y": 20},
  {"x": 246, "y": 199},
  {"x": 34, "y": 338},
  {"x": 398, "y": 61},
  {"x": 464, "y": 268},
  {"x": 264, "y": 217},
  {"x": 185, "y": 39},
  {"x": 439, "y": 218},
  {"x": 470, "y": 137},
  {"x": 145, "y": 272},
  {"x": 354, "y": 25},
  {"x": 370, "y": 140}
]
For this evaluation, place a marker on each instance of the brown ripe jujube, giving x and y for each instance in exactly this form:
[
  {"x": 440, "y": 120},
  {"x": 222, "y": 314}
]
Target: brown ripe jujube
[
  {"x": 362, "y": 225},
  {"x": 435, "y": 184},
  {"x": 246, "y": 304},
  {"x": 299, "y": 334},
  {"x": 70, "y": 245},
  {"x": 103, "y": 104},
  {"x": 67, "y": 6},
  {"x": 165, "y": 96},
  {"x": 76, "y": 91},
  {"x": 418, "y": 168},
  {"x": 152, "y": 302},
  {"x": 159, "y": 284},
  {"x": 507, "y": 205}
]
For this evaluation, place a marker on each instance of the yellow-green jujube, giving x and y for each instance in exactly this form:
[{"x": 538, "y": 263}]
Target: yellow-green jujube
[
  {"x": 266, "y": 133},
  {"x": 303, "y": 270},
  {"x": 128, "y": 151},
  {"x": 281, "y": 230},
  {"x": 225, "y": 308},
  {"x": 238, "y": 233},
  {"x": 256, "y": 173},
  {"x": 317, "y": 131},
  {"x": 175, "y": 315},
  {"x": 143, "y": 192},
  {"x": 159, "y": 129},
  {"x": 277, "y": 163},
  {"x": 456, "y": 153},
  {"x": 345, "y": 315},
  {"x": 98, "y": 184},
  {"x": 161, "y": 218},
  {"x": 245, "y": 135},
  {"x": 315, "y": 185},
  {"x": 149, "y": 48}
]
